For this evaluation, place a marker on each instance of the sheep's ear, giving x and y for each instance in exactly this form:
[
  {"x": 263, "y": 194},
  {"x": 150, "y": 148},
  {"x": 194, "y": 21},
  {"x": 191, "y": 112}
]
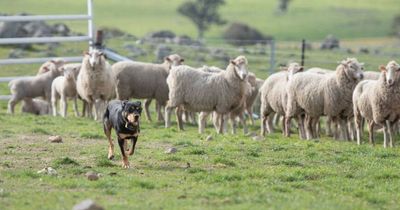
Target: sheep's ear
[
  {"x": 232, "y": 62},
  {"x": 46, "y": 68},
  {"x": 283, "y": 68},
  {"x": 166, "y": 58},
  {"x": 301, "y": 68},
  {"x": 382, "y": 68},
  {"x": 86, "y": 53},
  {"x": 182, "y": 60}
]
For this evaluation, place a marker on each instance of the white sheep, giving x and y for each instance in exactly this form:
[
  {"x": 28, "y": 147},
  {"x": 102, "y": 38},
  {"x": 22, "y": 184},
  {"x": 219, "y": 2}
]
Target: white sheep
[
  {"x": 318, "y": 94},
  {"x": 273, "y": 96},
  {"x": 35, "y": 106},
  {"x": 37, "y": 86},
  {"x": 377, "y": 101},
  {"x": 201, "y": 91},
  {"x": 64, "y": 87},
  {"x": 48, "y": 65},
  {"x": 145, "y": 81},
  {"x": 95, "y": 82}
]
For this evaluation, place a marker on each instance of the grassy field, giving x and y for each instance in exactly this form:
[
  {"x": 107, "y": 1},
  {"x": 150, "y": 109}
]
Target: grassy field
[
  {"x": 311, "y": 19},
  {"x": 229, "y": 172}
]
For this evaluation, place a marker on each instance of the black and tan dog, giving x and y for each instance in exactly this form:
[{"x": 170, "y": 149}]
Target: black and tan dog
[{"x": 123, "y": 116}]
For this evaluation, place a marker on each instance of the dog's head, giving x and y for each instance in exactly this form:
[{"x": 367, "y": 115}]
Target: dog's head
[{"x": 131, "y": 112}]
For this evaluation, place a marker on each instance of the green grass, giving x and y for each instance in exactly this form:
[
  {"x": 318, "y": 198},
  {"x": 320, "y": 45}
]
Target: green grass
[
  {"x": 230, "y": 172},
  {"x": 311, "y": 19}
]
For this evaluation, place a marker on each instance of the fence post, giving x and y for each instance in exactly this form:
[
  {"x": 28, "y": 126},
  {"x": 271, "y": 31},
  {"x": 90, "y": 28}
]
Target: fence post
[
  {"x": 272, "y": 58},
  {"x": 90, "y": 22},
  {"x": 303, "y": 51}
]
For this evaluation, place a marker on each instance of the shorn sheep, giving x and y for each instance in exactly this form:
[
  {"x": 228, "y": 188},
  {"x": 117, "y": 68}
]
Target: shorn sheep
[
  {"x": 200, "y": 91},
  {"x": 95, "y": 82},
  {"x": 35, "y": 106},
  {"x": 330, "y": 95},
  {"x": 37, "y": 86},
  {"x": 64, "y": 87},
  {"x": 273, "y": 96},
  {"x": 377, "y": 101},
  {"x": 145, "y": 81}
]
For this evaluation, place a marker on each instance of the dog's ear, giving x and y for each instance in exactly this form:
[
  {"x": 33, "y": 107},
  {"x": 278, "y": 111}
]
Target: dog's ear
[
  {"x": 138, "y": 103},
  {"x": 123, "y": 103}
]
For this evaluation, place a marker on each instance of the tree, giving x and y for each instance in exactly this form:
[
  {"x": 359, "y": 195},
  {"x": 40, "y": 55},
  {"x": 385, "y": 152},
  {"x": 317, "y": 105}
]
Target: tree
[{"x": 203, "y": 13}]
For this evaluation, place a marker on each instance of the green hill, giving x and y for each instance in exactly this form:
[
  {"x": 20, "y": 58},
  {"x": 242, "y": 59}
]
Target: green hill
[{"x": 311, "y": 19}]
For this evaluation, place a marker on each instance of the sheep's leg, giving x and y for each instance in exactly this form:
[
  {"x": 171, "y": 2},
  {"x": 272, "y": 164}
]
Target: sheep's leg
[
  {"x": 216, "y": 119},
  {"x": 202, "y": 121},
  {"x": 370, "y": 132},
  {"x": 302, "y": 131},
  {"x": 243, "y": 121},
  {"x": 308, "y": 126},
  {"x": 329, "y": 127},
  {"x": 351, "y": 127},
  {"x": 168, "y": 110},
  {"x": 264, "y": 119},
  {"x": 342, "y": 129},
  {"x": 233, "y": 122},
  {"x": 283, "y": 125},
  {"x": 63, "y": 106},
  {"x": 146, "y": 109},
  {"x": 276, "y": 119},
  {"x": 193, "y": 119},
  {"x": 315, "y": 127},
  {"x": 250, "y": 113},
  {"x": 270, "y": 124},
  {"x": 287, "y": 126},
  {"x": 179, "y": 117},
  {"x": 385, "y": 135},
  {"x": 358, "y": 125},
  {"x": 11, "y": 104},
  {"x": 54, "y": 105},
  {"x": 391, "y": 129},
  {"x": 159, "y": 108},
  {"x": 75, "y": 107},
  {"x": 221, "y": 124},
  {"x": 89, "y": 109}
]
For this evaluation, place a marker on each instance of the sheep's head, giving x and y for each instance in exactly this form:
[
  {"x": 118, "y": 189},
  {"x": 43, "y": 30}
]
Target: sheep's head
[
  {"x": 293, "y": 68},
  {"x": 391, "y": 72},
  {"x": 53, "y": 64},
  {"x": 69, "y": 74},
  {"x": 95, "y": 57},
  {"x": 240, "y": 67},
  {"x": 353, "y": 68},
  {"x": 173, "y": 60}
]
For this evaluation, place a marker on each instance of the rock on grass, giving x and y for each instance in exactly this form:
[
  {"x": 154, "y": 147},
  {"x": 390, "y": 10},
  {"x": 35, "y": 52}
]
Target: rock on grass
[{"x": 87, "y": 204}]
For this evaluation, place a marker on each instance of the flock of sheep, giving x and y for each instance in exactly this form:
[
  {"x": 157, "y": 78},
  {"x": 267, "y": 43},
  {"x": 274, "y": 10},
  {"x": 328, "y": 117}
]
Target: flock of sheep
[{"x": 347, "y": 96}]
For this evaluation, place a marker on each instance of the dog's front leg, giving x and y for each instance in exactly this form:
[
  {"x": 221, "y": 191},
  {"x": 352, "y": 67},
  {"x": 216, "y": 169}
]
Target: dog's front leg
[
  {"x": 132, "y": 150},
  {"x": 125, "y": 162}
]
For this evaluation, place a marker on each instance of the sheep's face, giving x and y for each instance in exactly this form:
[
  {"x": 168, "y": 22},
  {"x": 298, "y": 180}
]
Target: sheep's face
[
  {"x": 392, "y": 71},
  {"x": 293, "y": 68},
  {"x": 95, "y": 57},
  {"x": 174, "y": 60},
  {"x": 69, "y": 74},
  {"x": 353, "y": 68},
  {"x": 240, "y": 67}
]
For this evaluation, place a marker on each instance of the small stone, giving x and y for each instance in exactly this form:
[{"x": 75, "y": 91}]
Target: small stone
[
  {"x": 251, "y": 134},
  {"x": 48, "y": 170},
  {"x": 171, "y": 150},
  {"x": 209, "y": 138},
  {"x": 258, "y": 138},
  {"x": 55, "y": 139},
  {"x": 87, "y": 204},
  {"x": 92, "y": 176}
]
